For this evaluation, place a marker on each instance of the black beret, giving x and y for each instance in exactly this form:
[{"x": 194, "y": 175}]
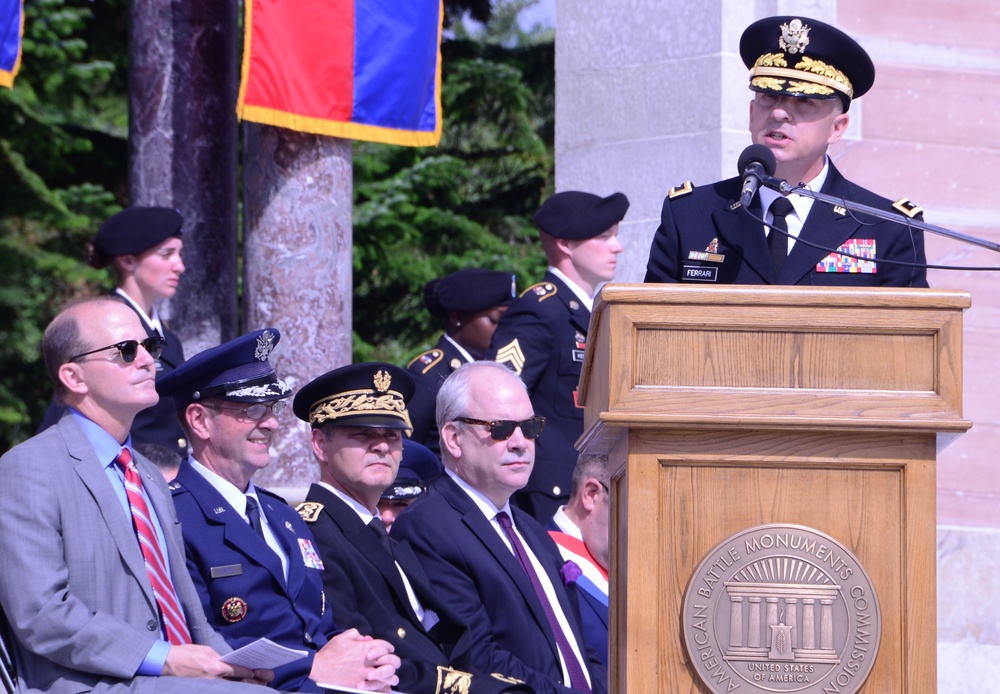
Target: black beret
[
  {"x": 370, "y": 394},
  {"x": 469, "y": 291},
  {"x": 137, "y": 229},
  {"x": 798, "y": 56},
  {"x": 573, "y": 214},
  {"x": 417, "y": 469},
  {"x": 237, "y": 370}
]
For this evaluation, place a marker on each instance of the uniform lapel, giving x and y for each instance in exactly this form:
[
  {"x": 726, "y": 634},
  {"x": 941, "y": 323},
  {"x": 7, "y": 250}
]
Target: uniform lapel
[
  {"x": 289, "y": 542},
  {"x": 236, "y": 531},
  {"x": 825, "y": 227},
  {"x": 367, "y": 544},
  {"x": 579, "y": 314},
  {"x": 95, "y": 479},
  {"x": 743, "y": 234}
]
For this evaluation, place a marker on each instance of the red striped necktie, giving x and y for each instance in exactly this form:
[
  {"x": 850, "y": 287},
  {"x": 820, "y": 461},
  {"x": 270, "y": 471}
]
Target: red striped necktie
[{"x": 156, "y": 567}]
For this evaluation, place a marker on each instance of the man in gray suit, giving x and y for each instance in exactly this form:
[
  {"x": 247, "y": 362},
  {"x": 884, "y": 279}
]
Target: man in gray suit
[{"x": 74, "y": 583}]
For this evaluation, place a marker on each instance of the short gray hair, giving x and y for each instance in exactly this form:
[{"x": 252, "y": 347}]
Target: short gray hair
[
  {"x": 453, "y": 397},
  {"x": 588, "y": 466}
]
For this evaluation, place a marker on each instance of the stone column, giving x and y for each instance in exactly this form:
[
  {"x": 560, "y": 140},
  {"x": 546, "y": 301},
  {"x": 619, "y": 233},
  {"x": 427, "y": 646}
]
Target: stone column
[
  {"x": 183, "y": 79},
  {"x": 809, "y": 623},
  {"x": 753, "y": 640},
  {"x": 792, "y": 618},
  {"x": 297, "y": 272},
  {"x": 735, "y": 621}
]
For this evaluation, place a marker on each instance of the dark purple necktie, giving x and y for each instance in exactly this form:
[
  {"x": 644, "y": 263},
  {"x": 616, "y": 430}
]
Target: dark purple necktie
[{"x": 577, "y": 680}]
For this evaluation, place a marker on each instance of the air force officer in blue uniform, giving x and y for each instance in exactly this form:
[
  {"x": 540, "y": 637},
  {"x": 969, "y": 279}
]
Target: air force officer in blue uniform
[{"x": 252, "y": 558}]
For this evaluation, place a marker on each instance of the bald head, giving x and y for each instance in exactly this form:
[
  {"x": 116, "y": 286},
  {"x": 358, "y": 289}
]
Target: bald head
[
  {"x": 63, "y": 337},
  {"x": 88, "y": 369}
]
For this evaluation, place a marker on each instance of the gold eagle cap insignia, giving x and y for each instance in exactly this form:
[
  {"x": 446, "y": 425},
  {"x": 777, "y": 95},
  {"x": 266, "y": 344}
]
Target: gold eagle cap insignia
[
  {"x": 382, "y": 381},
  {"x": 794, "y": 37},
  {"x": 309, "y": 511}
]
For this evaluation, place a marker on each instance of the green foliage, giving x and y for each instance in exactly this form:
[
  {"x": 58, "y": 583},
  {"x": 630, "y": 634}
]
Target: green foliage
[
  {"x": 419, "y": 213},
  {"x": 62, "y": 151},
  {"x": 423, "y": 213}
]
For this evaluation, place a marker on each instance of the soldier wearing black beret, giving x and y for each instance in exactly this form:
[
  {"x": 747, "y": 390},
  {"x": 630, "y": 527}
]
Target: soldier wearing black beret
[
  {"x": 143, "y": 247},
  {"x": 804, "y": 75},
  {"x": 470, "y": 302},
  {"x": 543, "y": 335},
  {"x": 358, "y": 415}
]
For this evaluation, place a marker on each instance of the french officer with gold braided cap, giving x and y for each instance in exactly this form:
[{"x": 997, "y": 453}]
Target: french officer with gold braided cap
[
  {"x": 543, "y": 334},
  {"x": 358, "y": 415},
  {"x": 804, "y": 75}
]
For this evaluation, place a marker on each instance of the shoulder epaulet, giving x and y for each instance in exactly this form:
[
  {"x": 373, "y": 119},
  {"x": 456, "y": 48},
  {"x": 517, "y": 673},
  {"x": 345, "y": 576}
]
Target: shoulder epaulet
[
  {"x": 176, "y": 487},
  {"x": 910, "y": 209},
  {"x": 542, "y": 290},
  {"x": 679, "y": 191},
  {"x": 268, "y": 492},
  {"x": 309, "y": 510},
  {"x": 426, "y": 360}
]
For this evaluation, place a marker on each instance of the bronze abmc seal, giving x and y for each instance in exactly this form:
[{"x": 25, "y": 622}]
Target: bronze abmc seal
[{"x": 781, "y": 608}]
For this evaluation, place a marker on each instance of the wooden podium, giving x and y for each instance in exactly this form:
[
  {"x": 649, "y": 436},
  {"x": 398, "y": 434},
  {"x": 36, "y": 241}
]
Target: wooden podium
[{"x": 725, "y": 408}]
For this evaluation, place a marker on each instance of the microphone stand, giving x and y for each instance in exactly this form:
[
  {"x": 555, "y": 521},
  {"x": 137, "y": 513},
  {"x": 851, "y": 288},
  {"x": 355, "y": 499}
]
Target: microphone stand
[{"x": 783, "y": 186}]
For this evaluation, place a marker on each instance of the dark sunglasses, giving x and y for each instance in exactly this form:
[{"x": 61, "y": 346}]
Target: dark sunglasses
[
  {"x": 256, "y": 410},
  {"x": 503, "y": 429},
  {"x": 128, "y": 349}
]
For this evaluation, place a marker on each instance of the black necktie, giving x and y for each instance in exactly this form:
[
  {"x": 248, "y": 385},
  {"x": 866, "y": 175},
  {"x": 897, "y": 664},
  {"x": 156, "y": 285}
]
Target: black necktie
[
  {"x": 777, "y": 242},
  {"x": 378, "y": 527},
  {"x": 253, "y": 514}
]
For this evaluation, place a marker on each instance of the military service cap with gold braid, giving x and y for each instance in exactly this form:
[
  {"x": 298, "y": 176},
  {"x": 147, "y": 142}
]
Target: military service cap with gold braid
[
  {"x": 370, "y": 394},
  {"x": 798, "y": 56}
]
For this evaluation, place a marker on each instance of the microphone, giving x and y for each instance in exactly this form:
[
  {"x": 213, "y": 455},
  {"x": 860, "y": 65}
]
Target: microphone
[{"x": 757, "y": 162}]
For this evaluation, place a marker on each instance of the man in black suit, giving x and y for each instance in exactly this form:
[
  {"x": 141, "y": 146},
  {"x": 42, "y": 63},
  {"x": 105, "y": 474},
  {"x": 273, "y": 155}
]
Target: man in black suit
[
  {"x": 804, "y": 75},
  {"x": 494, "y": 565},
  {"x": 543, "y": 335},
  {"x": 373, "y": 583}
]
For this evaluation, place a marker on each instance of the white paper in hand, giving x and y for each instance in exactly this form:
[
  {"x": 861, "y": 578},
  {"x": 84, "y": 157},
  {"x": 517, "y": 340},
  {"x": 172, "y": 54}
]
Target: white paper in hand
[{"x": 263, "y": 654}]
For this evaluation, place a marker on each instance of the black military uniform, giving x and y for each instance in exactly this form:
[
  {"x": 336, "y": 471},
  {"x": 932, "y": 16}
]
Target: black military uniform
[
  {"x": 706, "y": 236},
  {"x": 459, "y": 294},
  {"x": 542, "y": 337},
  {"x": 363, "y": 578}
]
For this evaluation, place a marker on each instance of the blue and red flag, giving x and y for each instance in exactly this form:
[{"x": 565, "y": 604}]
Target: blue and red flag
[
  {"x": 11, "y": 29},
  {"x": 358, "y": 69}
]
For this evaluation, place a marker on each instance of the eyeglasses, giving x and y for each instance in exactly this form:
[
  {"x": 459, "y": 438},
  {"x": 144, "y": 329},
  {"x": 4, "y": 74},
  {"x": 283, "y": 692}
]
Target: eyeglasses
[
  {"x": 503, "y": 429},
  {"x": 258, "y": 410},
  {"x": 129, "y": 349}
]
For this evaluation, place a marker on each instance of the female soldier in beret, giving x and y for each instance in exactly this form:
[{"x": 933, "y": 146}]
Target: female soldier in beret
[{"x": 470, "y": 302}]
